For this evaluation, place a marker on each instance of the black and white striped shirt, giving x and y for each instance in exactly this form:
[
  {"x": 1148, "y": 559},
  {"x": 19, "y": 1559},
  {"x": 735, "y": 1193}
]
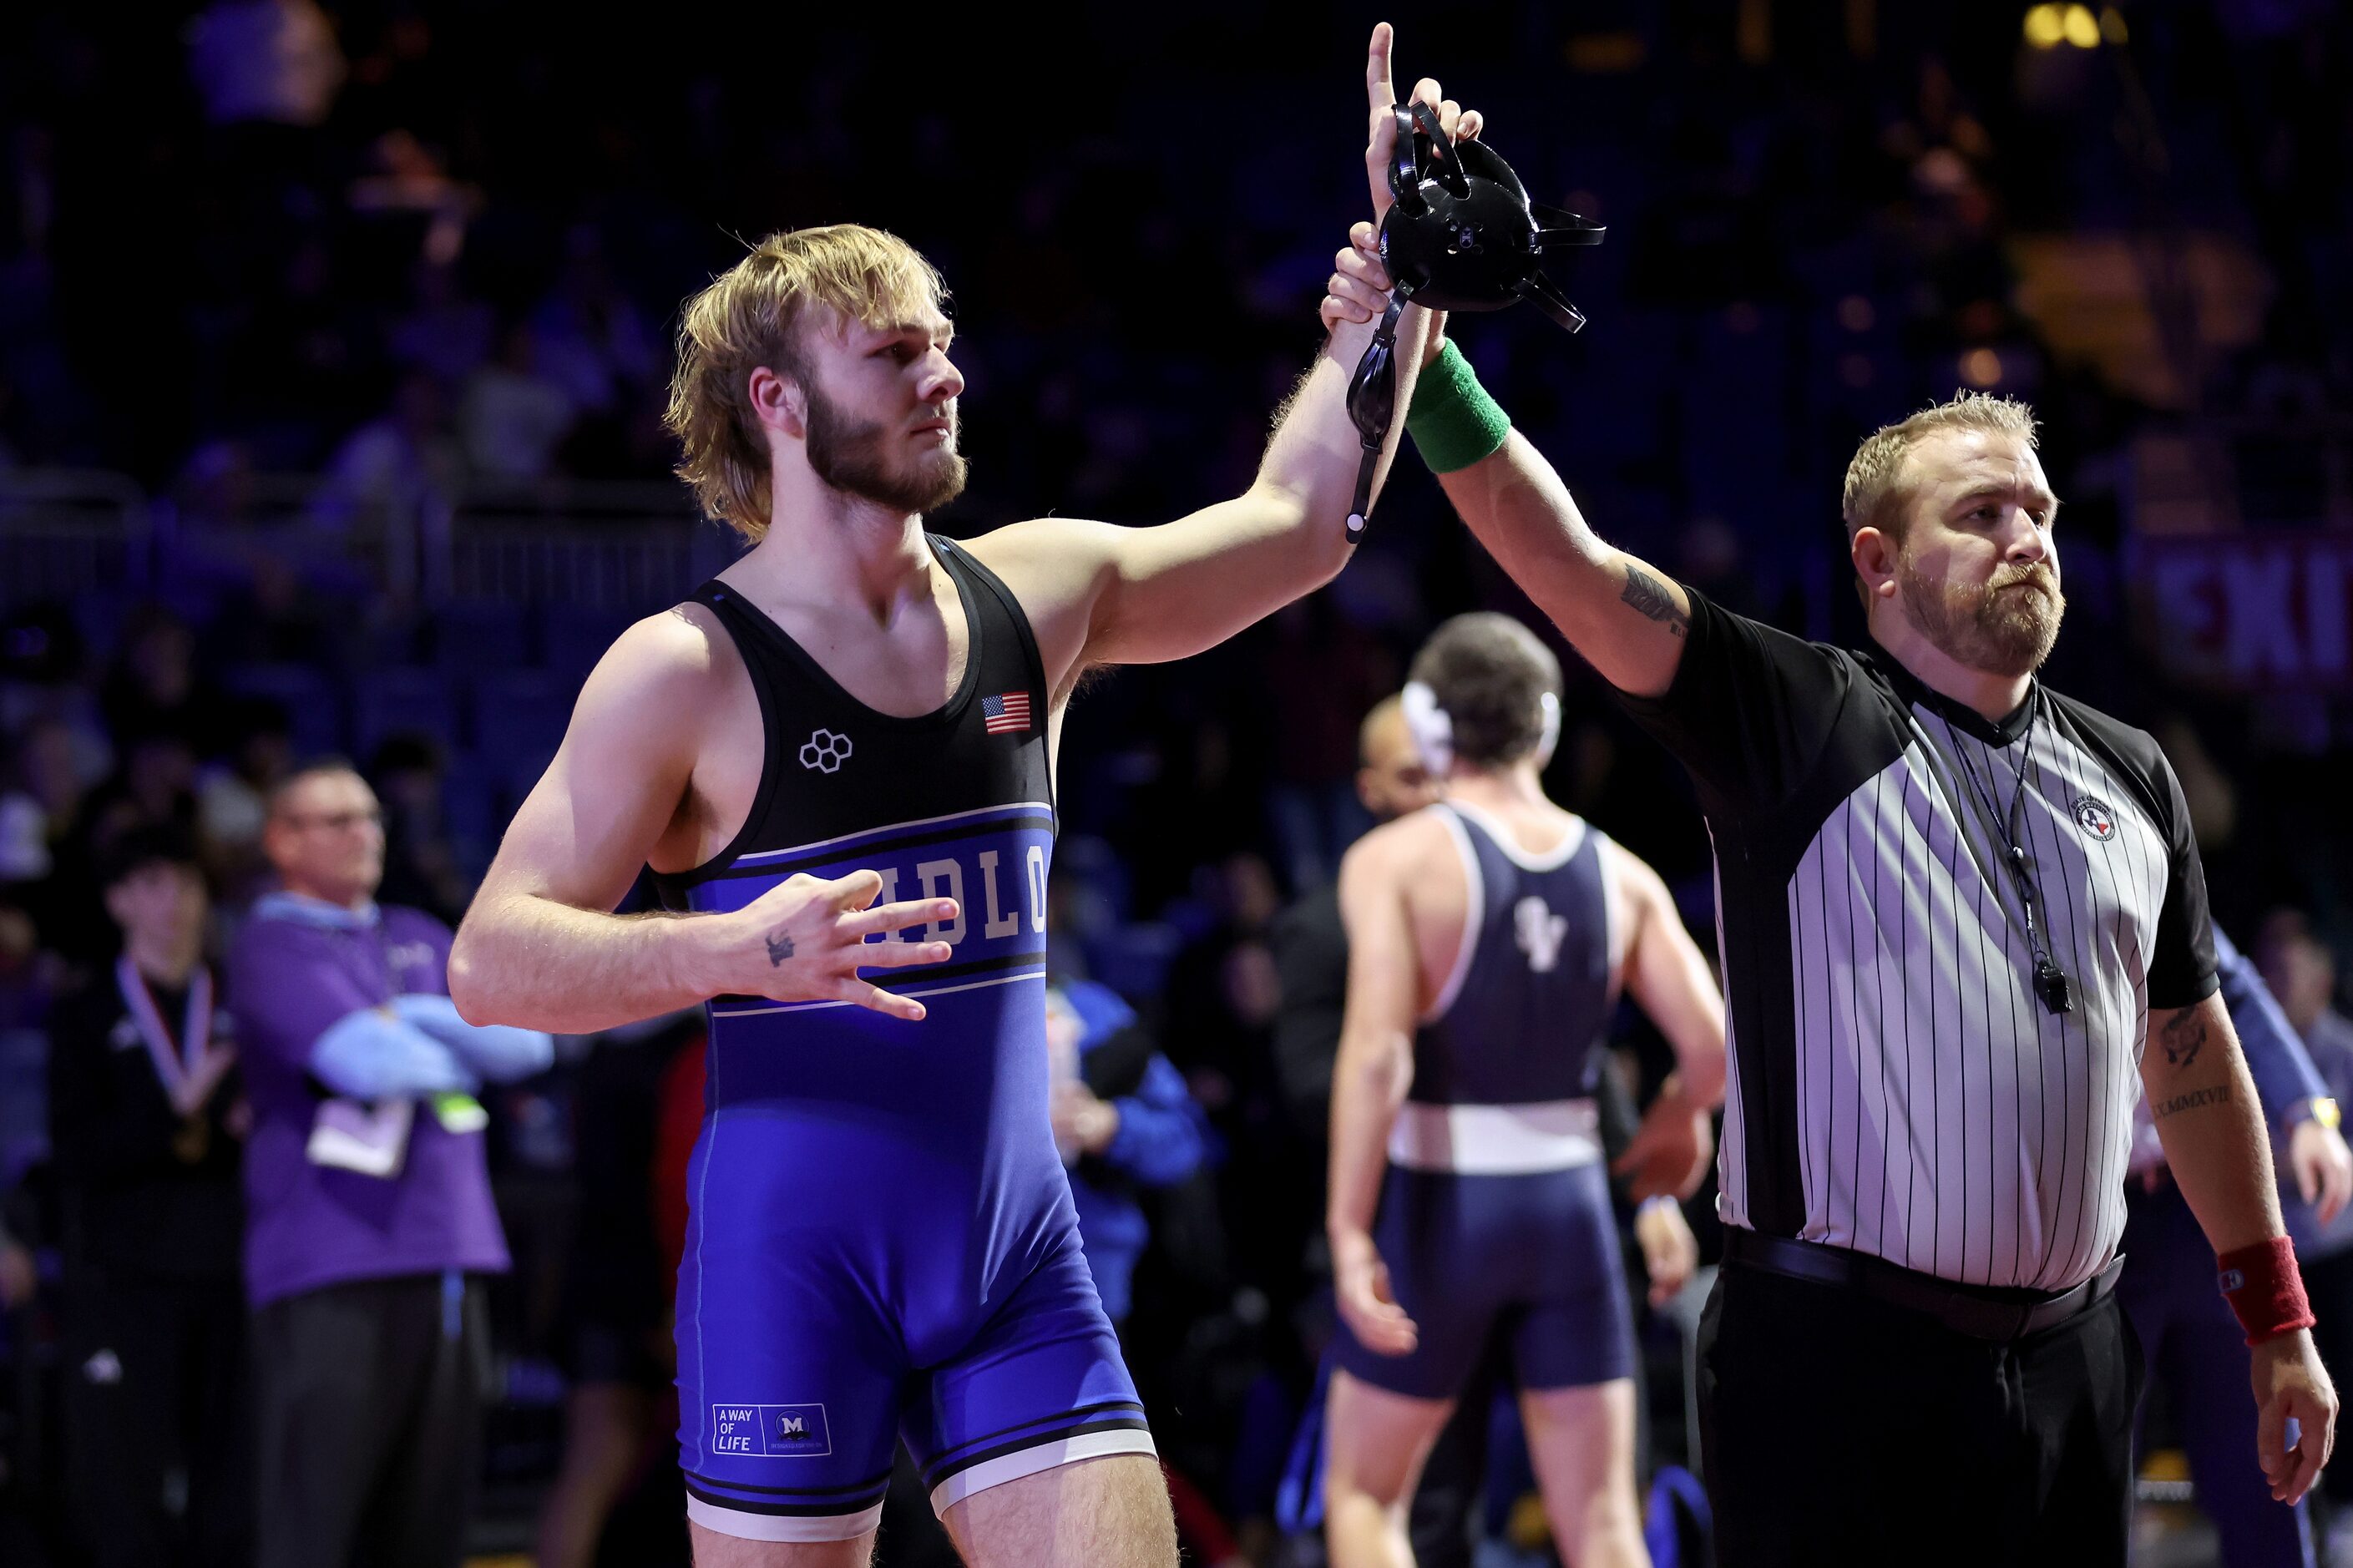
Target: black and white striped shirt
[{"x": 1895, "y": 1085}]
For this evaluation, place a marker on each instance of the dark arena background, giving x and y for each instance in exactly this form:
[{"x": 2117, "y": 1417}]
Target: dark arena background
[{"x": 334, "y": 339}]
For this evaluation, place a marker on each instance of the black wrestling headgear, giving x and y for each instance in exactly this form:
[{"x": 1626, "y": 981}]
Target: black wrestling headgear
[
  {"x": 1460, "y": 236},
  {"x": 1463, "y": 232}
]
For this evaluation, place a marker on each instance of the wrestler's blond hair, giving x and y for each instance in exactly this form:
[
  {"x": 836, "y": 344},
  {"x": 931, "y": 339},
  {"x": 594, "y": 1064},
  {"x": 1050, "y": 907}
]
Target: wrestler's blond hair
[
  {"x": 1874, "y": 495},
  {"x": 751, "y": 316}
]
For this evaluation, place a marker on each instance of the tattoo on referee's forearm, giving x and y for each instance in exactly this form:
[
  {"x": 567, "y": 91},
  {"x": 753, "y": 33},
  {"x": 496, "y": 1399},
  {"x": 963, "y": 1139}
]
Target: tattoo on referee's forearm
[
  {"x": 2183, "y": 1038},
  {"x": 1650, "y": 596},
  {"x": 2219, "y": 1095}
]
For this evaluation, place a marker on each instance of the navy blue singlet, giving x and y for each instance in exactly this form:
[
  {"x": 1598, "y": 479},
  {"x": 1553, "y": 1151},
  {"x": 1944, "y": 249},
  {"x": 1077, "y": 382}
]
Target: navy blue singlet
[
  {"x": 881, "y": 1240},
  {"x": 1529, "y": 1001},
  {"x": 1495, "y": 1216}
]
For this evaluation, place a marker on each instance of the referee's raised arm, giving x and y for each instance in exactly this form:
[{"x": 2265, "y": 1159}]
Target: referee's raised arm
[{"x": 1628, "y": 619}]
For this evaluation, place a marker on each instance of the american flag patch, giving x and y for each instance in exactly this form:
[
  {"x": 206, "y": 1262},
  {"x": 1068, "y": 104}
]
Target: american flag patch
[{"x": 1005, "y": 715}]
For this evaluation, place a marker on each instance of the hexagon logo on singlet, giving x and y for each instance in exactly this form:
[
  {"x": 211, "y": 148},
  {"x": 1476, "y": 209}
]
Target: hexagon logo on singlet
[{"x": 825, "y": 751}]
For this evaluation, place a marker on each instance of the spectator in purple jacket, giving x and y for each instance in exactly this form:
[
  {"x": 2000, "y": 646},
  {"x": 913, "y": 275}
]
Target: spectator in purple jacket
[{"x": 367, "y": 1197}]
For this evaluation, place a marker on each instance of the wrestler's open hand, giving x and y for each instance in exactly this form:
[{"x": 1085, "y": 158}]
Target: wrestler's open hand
[
  {"x": 805, "y": 940},
  {"x": 2292, "y": 1385},
  {"x": 1360, "y": 1284}
]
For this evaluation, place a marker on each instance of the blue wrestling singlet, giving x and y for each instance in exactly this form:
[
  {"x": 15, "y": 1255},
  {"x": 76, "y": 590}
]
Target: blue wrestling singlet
[
  {"x": 1494, "y": 1215},
  {"x": 881, "y": 1241}
]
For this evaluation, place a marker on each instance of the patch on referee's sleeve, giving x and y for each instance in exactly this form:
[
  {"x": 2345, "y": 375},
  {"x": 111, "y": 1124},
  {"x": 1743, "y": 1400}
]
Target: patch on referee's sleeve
[{"x": 770, "y": 1431}]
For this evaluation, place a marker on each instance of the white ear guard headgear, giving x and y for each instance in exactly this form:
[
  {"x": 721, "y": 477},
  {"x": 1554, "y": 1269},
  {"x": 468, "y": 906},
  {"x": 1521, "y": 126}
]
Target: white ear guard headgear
[
  {"x": 1432, "y": 728},
  {"x": 1551, "y": 736}
]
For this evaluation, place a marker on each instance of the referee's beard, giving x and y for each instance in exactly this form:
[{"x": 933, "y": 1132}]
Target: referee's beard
[{"x": 2005, "y": 627}]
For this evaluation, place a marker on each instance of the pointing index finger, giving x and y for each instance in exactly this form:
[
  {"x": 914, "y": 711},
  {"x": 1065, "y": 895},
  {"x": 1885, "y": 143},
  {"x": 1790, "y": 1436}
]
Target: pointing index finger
[{"x": 1377, "y": 89}]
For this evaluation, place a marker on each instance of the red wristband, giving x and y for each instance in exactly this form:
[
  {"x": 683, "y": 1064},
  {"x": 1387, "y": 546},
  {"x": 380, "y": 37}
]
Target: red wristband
[{"x": 2263, "y": 1287}]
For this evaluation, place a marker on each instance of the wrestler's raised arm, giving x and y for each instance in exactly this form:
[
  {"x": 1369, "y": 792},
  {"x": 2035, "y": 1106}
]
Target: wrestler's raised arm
[{"x": 1100, "y": 594}]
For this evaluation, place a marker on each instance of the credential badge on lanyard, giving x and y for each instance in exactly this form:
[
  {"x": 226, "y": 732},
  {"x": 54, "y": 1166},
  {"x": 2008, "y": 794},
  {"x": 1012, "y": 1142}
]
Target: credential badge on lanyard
[{"x": 176, "y": 1069}]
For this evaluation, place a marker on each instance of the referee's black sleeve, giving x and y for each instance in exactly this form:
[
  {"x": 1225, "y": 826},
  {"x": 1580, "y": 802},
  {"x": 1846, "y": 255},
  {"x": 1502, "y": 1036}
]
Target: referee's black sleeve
[
  {"x": 2182, "y": 971},
  {"x": 1750, "y": 710}
]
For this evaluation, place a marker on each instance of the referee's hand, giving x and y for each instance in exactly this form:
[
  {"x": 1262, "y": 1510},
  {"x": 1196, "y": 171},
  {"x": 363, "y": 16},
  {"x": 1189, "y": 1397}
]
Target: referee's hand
[
  {"x": 1360, "y": 1286},
  {"x": 2292, "y": 1385}
]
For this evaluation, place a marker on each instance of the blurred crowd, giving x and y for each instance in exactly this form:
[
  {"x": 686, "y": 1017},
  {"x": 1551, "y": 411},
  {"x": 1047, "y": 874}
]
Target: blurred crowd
[{"x": 368, "y": 260}]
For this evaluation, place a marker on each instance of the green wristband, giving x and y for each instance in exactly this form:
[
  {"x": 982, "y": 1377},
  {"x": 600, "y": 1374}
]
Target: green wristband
[{"x": 1452, "y": 420}]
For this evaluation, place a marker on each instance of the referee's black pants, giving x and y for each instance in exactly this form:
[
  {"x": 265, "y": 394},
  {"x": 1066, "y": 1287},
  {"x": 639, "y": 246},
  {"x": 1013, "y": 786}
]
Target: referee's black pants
[
  {"x": 369, "y": 1400},
  {"x": 1837, "y": 1429}
]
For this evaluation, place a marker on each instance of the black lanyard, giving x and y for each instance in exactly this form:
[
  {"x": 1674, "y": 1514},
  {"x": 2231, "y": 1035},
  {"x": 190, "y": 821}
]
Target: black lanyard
[{"x": 2051, "y": 982}]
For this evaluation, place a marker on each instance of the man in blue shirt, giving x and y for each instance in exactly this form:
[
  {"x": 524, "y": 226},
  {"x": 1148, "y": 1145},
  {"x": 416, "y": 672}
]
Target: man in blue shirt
[{"x": 1124, "y": 1119}]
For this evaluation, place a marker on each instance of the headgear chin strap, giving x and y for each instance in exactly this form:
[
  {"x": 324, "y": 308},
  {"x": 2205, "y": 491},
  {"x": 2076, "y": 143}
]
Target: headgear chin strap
[
  {"x": 1432, "y": 728},
  {"x": 1461, "y": 235}
]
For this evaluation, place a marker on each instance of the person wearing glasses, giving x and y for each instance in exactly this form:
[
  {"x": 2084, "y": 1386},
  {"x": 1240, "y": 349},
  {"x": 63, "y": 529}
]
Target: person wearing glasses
[{"x": 368, "y": 1212}]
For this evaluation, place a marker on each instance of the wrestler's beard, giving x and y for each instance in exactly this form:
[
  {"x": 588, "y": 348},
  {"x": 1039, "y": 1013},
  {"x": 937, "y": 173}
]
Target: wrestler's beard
[
  {"x": 2005, "y": 628},
  {"x": 848, "y": 454}
]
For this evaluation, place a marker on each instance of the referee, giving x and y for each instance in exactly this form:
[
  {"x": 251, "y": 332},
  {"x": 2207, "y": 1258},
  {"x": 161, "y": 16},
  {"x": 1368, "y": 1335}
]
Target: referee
[{"x": 1960, "y": 915}]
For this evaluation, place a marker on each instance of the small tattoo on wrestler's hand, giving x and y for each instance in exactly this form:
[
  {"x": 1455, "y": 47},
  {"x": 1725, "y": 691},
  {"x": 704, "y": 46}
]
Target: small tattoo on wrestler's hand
[
  {"x": 1651, "y": 599},
  {"x": 780, "y": 948}
]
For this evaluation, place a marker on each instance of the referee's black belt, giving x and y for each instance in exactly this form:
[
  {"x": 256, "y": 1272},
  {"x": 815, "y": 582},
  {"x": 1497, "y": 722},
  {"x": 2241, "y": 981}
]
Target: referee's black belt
[{"x": 1981, "y": 1313}]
